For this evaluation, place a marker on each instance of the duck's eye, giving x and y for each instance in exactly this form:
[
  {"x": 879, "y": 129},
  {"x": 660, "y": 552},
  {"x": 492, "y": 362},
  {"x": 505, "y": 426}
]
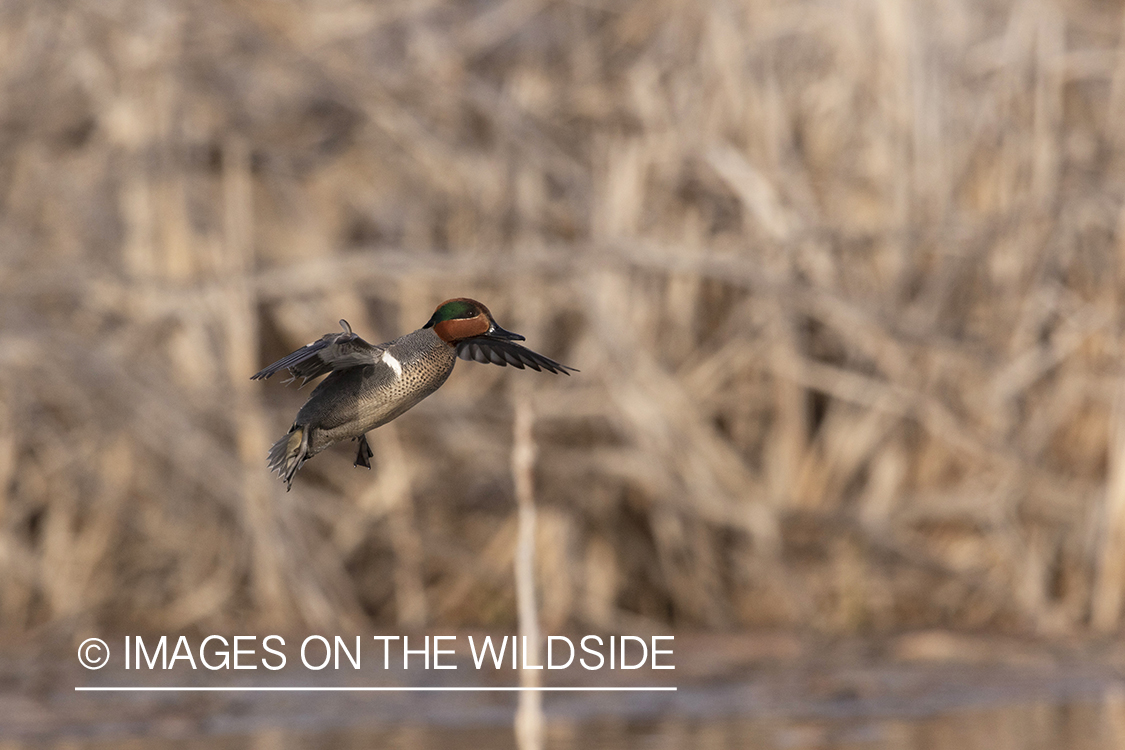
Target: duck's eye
[{"x": 466, "y": 314}]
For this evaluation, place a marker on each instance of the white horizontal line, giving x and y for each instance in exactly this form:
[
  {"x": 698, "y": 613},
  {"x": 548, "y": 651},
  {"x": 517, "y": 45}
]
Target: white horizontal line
[{"x": 379, "y": 689}]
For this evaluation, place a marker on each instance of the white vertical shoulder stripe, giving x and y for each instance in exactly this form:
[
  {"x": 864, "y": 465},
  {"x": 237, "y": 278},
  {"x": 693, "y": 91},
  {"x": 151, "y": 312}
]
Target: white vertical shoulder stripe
[{"x": 392, "y": 362}]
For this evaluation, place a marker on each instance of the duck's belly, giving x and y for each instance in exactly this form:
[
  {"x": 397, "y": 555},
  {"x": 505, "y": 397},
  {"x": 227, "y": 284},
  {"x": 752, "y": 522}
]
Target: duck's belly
[{"x": 354, "y": 401}]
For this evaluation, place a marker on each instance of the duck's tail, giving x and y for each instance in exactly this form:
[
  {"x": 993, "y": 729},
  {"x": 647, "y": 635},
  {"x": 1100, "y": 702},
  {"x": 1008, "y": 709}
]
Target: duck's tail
[{"x": 288, "y": 453}]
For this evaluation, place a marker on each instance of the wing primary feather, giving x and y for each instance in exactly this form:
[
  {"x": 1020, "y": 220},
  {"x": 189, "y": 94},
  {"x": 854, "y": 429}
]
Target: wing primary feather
[
  {"x": 503, "y": 353},
  {"x": 333, "y": 351}
]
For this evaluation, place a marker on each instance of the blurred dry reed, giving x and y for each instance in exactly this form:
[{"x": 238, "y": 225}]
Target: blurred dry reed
[
  {"x": 844, "y": 282},
  {"x": 529, "y": 713}
]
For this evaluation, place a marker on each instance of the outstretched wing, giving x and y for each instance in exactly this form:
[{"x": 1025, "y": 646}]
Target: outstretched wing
[
  {"x": 504, "y": 353},
  {"x": 334, "y": 351}
]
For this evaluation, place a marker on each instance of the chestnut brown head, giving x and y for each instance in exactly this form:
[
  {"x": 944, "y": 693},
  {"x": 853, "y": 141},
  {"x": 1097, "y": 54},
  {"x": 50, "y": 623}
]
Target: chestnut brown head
[{"x": 462, "y": 318}]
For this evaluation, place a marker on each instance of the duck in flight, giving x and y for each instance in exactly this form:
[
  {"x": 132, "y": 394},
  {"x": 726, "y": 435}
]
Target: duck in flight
[{"x": 368, "y": 386}]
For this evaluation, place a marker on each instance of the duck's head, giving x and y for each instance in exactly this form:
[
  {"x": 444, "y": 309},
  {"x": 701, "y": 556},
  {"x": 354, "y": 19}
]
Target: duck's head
[{"x": 462, "y": 318}]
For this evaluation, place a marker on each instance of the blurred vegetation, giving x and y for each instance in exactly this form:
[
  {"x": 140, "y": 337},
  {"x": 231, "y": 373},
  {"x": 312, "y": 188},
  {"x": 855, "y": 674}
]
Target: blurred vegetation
[{"x": 844, "y": 282}]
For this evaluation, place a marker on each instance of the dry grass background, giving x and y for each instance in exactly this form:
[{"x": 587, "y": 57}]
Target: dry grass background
[{"x": 844, "y": 281}]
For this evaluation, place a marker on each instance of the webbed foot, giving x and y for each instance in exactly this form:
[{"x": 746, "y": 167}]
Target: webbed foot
[{"x": 363, "y": 453}]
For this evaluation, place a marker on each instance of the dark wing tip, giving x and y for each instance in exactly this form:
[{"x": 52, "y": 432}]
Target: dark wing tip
[{"x": 504, "y": 353}]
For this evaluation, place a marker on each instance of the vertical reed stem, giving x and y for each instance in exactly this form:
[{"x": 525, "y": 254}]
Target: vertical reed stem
[
  {"x": 1109, "y": 583},
  {"x": 529, "y": 715},
  {"x": 240, "y": 323}
]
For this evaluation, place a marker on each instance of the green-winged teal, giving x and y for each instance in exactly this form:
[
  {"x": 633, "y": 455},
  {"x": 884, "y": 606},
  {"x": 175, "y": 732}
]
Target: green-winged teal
[{"x": 368, "y": 386}]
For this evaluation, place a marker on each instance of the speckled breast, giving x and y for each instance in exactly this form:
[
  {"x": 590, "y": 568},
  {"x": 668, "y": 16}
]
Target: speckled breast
[{"x": 351, "y": 402}]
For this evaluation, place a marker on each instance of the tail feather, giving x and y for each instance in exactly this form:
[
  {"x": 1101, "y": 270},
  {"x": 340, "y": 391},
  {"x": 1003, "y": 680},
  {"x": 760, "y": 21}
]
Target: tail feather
[{"x": 288, "y": 453}]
